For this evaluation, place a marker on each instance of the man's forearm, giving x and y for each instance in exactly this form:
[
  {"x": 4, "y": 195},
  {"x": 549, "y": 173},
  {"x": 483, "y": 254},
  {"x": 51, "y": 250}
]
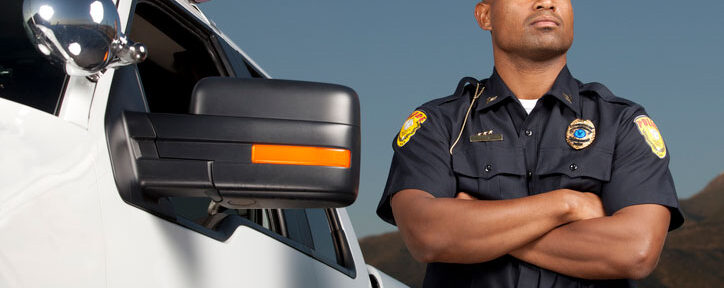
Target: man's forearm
[
  {"x": 625, "y": 245},
  {"x": 458, "y": 231}
]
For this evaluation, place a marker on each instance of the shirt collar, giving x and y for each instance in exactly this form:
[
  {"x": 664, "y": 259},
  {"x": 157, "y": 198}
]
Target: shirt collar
[{"x": 565, "y": 89}]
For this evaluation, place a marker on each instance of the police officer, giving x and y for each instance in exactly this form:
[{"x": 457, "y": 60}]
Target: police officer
[{"x": 531, "y": 178}]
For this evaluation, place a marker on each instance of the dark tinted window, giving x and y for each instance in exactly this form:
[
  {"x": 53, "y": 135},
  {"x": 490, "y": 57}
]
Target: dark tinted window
[
  {"x": 26, "y": 76},
  {"x": 321, "y": 234},
  {"x": 179, "y": 55},
  {"x": 311, "y": 228},
  {"x": 237, "y": 62},
  {"x": 295, "y": 221},
  {"x": 201, "y": 211}
]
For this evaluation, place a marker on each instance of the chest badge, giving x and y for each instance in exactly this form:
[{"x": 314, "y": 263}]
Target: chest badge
[{"x": 580, "y": 134}]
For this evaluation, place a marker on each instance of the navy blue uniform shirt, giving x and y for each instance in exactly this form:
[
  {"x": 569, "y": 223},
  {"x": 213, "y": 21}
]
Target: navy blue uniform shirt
[{"x": 626, "y": 164}]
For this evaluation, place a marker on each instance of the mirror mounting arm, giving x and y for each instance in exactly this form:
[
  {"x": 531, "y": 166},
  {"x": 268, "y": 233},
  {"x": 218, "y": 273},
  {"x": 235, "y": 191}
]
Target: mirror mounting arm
[{"x": 127, "y": 52}]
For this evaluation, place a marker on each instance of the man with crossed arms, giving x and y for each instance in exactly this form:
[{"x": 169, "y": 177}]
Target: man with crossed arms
[{"x": 531, "y": 178}]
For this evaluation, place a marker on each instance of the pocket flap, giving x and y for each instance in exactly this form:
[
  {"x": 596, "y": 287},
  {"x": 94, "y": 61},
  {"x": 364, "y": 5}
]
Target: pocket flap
[
  {"x": 584, "y": 163},
  {"x": 485, "y": 162}
]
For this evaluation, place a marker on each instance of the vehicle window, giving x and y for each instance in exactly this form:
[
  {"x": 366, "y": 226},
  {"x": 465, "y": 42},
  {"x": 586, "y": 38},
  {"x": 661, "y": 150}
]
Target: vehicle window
[
  {"x": 238, "y": 64},
  {"x": 297, "y": 226},
  {"x": 313, "y": 229},
  {"x": 321, "y": 234},
  {"x": 211, "y": 216},
  {"x": 26, "y": 76},
  {"x": 179, "y": 55}
]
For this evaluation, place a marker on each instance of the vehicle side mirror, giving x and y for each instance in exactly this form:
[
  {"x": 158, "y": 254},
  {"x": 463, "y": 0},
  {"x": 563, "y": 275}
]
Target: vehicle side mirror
[
  {"x": 247, "y": 143},
  {"x": 81, "y": 35}
]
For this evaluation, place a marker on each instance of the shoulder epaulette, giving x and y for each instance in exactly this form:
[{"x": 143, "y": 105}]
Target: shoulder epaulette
[
  {"x": 463, "y": 84},
  {"x": 603, "y": 92},
  {"x": 439, "y": 101}
]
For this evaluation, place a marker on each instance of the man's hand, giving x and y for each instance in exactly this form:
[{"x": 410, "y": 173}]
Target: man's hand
[
  {"x": 586, "y": 205},
  {"x": 465, "y": 196}
]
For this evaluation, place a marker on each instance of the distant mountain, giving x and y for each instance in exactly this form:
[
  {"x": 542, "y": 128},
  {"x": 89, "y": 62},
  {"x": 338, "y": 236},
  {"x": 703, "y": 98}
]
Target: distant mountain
[
  {"x": 706, "y": 206},
  {"x": 388, "y": 253},
  {"x": 693, "y": 255}
]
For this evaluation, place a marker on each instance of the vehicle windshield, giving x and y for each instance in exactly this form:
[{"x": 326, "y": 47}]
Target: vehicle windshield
[{"x": 26, "y": 76}]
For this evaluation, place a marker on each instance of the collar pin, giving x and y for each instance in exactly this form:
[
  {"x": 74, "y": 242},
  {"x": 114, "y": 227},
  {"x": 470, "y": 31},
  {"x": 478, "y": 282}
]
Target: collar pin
[{"x": 568, "y": 98}]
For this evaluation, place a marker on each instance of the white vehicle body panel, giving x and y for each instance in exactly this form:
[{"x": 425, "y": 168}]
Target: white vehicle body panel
[{"x": 50, "y": 220}]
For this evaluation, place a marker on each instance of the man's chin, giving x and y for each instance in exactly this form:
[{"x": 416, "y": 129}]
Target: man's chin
[
  {"x": 545, "y": 48},
  {"x": 541, "y": 54}
]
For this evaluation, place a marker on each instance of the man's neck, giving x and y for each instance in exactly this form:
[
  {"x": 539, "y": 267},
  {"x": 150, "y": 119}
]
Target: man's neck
[{"x": 528, "y": 79}]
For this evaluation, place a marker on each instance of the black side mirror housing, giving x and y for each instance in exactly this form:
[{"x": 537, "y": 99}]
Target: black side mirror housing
[{"x": 248, "y": 143}]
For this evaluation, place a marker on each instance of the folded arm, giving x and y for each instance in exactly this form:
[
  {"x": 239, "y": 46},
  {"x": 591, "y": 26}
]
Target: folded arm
[
  {"x": 460, "y": 231},
  {"x": 624, "y": 245}
]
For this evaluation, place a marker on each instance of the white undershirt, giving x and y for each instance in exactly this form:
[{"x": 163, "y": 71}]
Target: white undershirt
[{"x": 528, "y": 104}]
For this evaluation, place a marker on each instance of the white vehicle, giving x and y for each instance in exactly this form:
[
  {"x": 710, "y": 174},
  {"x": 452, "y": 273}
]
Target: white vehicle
[{"x": 188, "y": 169}]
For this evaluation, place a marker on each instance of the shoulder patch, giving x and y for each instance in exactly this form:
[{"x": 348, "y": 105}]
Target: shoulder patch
[
  {"x": 651, "y": 133},
  {"x": 410, "y": 126}
]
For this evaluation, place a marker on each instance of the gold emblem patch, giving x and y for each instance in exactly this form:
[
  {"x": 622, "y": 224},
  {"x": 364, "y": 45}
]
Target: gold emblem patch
[
  {"x": 410, "y": 127},
  {"x": 580, "y": 134},
  {"x": 651, "y": 133}
]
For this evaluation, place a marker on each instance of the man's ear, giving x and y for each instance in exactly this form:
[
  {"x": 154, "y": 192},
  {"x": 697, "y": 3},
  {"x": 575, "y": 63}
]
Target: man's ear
[{"x": 482, "y": 15}]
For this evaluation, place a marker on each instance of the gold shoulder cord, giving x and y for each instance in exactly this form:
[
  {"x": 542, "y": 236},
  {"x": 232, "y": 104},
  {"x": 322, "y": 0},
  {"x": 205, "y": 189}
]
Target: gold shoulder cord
[{"x": 477, "y": 95}]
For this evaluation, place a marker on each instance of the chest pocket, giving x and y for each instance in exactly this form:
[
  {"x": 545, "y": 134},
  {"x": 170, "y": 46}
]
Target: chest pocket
[
  {"x": 489, "y": 173},
  {"x": 586, "y": 170}
]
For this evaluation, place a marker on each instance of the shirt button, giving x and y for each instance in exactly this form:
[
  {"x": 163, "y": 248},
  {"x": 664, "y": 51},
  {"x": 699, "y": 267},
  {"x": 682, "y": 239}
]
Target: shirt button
[
  {"x": 528, "y": 133},
  {"x": 573, "y": 167},
  {"x": 529, "y": 174},
  {"x": 488, "y": 167}
]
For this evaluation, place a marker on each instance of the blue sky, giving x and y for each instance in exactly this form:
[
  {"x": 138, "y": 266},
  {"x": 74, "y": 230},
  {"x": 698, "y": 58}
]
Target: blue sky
[{"x": 665, "y": 55}]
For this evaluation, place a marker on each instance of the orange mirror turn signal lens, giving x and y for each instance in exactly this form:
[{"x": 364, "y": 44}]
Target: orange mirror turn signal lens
[{"x": 300, "y": 155}]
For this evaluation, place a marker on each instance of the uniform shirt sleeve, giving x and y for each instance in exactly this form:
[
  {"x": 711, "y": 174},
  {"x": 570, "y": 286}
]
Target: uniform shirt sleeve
[
  {"x": 639, "y": 176},
  {"x": 422, "y": 163}
]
